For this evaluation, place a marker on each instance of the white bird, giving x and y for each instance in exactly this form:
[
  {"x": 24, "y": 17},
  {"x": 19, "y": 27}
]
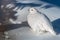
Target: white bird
[{"x": 39, "y": 22}]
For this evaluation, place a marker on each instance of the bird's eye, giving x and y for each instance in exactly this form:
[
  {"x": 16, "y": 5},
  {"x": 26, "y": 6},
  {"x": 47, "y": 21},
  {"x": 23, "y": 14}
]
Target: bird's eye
[{"x": 31, "y": 9}]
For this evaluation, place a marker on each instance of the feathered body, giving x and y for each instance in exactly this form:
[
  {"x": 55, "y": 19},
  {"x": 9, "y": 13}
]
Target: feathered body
[{"x": 39, "y": 22}]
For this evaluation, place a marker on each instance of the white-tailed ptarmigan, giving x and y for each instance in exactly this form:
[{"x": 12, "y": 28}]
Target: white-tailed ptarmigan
[{"x": 39, "y": 22}]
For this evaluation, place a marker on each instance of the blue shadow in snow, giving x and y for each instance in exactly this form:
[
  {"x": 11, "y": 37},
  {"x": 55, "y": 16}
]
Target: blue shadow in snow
[
  {"x": 16, "y": 26},
  {"x": 48, "y": 6},
  {"x": 56, "y": 25},
  {"x": 22, "y": 5},
  {"x": 55, "y": 2}
]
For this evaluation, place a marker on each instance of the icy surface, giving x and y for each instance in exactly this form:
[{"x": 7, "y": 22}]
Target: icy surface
[{"x": 25, "y": 33}]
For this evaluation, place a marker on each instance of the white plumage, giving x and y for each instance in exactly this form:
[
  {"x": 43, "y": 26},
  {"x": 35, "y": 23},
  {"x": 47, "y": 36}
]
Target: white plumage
[{"x": 39, "y": 22}]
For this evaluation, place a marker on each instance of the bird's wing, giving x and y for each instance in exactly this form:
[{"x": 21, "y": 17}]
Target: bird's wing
[{"x": 45, "y": 22}]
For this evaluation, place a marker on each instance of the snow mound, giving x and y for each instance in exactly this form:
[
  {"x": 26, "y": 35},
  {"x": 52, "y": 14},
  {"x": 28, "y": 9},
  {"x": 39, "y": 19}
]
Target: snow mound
[{"x": 24, "y": 33}]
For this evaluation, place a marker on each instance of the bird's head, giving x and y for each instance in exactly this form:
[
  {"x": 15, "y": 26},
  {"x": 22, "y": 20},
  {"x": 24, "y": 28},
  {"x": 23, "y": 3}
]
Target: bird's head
[{"x": 32, "y": 10}]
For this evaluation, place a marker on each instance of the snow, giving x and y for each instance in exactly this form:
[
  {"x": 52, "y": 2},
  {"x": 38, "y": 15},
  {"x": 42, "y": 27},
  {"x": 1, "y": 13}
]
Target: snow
[
  {"x": 21, "y": 15},
  {"x": 26, "y": 1},
  {"x": 53, "y": 12},
  {"x": 2, "y": 6},
  {"x": 9, "y": 5},
  {"x": 25, "y": 33},
  {"x": 15, "y": 22}
]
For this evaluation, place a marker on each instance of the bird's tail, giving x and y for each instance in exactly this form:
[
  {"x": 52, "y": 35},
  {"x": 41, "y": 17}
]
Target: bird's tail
[{"x": 52, "y": 32}]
